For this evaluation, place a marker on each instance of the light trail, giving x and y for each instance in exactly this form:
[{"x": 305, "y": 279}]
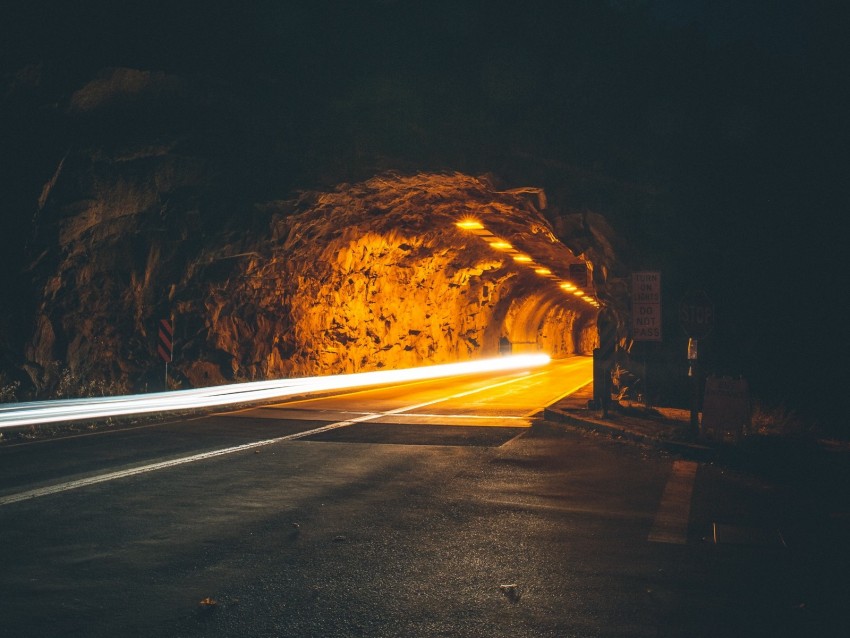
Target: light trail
[
  {"x": 44, "y": 412},
  {"x": 203, "y": 456}
]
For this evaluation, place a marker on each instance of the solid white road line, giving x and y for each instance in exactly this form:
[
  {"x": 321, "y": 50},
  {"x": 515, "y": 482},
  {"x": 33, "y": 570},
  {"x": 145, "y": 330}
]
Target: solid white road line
[
  {"x": 153, "y": 467},
  {"x": 143, "y": 469}
]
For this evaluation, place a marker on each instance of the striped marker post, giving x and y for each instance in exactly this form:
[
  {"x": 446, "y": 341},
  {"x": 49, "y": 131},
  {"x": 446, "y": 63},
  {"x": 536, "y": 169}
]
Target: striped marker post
[{"x": 165, "y": 344}]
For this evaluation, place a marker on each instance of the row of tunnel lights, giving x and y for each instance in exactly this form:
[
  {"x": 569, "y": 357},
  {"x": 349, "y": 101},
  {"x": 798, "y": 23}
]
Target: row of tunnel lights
[{"x": 500, "y": 244}]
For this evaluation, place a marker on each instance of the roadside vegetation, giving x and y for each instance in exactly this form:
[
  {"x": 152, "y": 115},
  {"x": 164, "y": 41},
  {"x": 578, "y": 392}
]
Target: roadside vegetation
[{"x": 778, "y": 421}]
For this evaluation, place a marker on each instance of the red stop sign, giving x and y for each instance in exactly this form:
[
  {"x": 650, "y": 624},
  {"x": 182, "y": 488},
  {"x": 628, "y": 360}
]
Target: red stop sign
[{"x": 696, "y": 313}]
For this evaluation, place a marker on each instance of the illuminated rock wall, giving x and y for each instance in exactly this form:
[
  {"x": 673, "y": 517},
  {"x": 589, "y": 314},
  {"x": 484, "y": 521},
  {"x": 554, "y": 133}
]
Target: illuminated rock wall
[
  {"x": 370, "y": 276},
  {"x": 144, "y": 222},
  {"x": 364, "y": 278}
]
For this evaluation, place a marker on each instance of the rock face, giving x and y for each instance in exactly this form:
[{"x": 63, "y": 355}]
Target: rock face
[
  {"x": 377, "y": 274},
  {"x": 370, "y": 275}
]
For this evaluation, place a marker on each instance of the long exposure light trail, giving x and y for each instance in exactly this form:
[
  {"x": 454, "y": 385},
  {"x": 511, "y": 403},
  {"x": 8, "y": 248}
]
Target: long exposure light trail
[{"x": 44, "y": 412}]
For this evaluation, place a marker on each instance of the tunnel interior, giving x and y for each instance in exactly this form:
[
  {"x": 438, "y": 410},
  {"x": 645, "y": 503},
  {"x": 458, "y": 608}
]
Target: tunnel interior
[
  {"x": 388, "y": 274},
  {"x": 393, "y": 272}
]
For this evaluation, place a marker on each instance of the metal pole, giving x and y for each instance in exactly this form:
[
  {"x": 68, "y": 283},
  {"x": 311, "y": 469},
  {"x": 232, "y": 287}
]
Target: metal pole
[
  {"x": 695, "y": 397},
  {"x": 166, "y": 375}
]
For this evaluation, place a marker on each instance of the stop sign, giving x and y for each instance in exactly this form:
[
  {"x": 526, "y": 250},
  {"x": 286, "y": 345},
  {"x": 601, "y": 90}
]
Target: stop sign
[{"x": 696, "y": 313}]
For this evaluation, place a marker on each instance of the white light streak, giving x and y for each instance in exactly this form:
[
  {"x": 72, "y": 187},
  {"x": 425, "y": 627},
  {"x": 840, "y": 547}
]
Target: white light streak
[
  {"x": 43, "y": 412},
  {"x": 203, "y": 456}
]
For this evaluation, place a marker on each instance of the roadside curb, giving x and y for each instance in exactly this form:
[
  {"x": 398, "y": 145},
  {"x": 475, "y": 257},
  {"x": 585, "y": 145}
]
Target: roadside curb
[{"x": 695, "y": 451}]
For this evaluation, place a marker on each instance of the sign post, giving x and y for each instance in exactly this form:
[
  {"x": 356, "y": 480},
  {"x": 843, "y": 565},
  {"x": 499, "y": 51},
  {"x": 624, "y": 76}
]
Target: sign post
[
  {"x": 165, "y": 344},
  {"x": 696, "y": 314},
  {"x": 646, "y": 316},
  {"x": 646, "y": 306}
]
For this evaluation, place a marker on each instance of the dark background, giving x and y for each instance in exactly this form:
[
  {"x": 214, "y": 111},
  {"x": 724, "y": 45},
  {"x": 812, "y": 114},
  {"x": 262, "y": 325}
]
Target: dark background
[{"x": 712, "y": 135}]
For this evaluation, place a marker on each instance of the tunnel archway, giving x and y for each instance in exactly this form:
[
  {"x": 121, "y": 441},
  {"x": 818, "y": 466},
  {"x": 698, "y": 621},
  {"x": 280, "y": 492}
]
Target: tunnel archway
[
  {"x": 371, "y": 275},
  {"x": 543, "y": 321},
  {"x": 423, "y": 283}
]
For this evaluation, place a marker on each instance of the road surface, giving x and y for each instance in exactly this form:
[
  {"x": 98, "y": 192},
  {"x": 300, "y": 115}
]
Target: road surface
[{"x": 439, "y": 508}]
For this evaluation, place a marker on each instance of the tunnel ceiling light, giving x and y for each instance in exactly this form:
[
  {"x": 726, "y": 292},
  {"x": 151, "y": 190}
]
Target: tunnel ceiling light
[{"x": 496, "y": 243}]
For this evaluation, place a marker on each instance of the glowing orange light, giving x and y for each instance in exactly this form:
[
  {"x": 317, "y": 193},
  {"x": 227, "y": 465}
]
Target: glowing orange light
[
  {"x": 500, "y": 245},
  {"x": 543, "y": 271},
  {"x": 522, "y": 258},
  {"x": 567, "y": 286},
  {"x": 470, "y": 224},
  {"x": 39, "y": 412},
  {"x": 579, "y": 293}
]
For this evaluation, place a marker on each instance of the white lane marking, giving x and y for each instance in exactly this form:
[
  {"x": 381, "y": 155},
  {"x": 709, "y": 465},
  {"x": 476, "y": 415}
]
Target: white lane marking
[
  {"x": 671, "y": 520},
  {"x": 445, "y": 415},
  {"x": 494, "y": 422},
  {"x": 561, "y": 396},
  {"x": 572, "y": 391},
  {"x": 466, "y": 416},
  {"x": 288, "y": 404},
  {"x": 153, "y": 467}
]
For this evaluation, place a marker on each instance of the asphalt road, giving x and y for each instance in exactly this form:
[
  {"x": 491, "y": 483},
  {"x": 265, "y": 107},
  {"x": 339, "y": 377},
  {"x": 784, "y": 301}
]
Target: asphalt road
[{"x": 440, "y": 508}]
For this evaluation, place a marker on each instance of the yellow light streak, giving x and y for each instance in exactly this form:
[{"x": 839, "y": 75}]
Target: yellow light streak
[
  {"x": 567, "y": 286},
  {"x": 522, "y": 258},
  {"x": 470, "y": 224},
  {"x": 543, "y": 271},
  {"x": 500, "y": 245}
]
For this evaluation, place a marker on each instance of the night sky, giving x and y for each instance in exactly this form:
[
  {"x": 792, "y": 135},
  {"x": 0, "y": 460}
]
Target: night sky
[{"x": 712, "y": 135}]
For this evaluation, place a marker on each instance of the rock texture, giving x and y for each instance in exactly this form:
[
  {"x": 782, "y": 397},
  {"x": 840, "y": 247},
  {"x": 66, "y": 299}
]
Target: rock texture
[
  {"x": 137, "y": 225},
  {"x": 371, "y": 275}
]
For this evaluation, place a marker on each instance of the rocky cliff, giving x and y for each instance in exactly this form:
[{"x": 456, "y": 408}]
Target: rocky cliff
[
  {"x": 140, "y": 222},
  {"x": 371, "y": 275}
]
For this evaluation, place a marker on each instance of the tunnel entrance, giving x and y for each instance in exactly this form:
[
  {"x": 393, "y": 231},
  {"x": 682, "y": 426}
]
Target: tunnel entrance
[
  {"x": 397, "y": 271},
  {"x": 401, "y": 271},
  {"x": 539, "y": 322},
  {"x": 404, "y": 271}
]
